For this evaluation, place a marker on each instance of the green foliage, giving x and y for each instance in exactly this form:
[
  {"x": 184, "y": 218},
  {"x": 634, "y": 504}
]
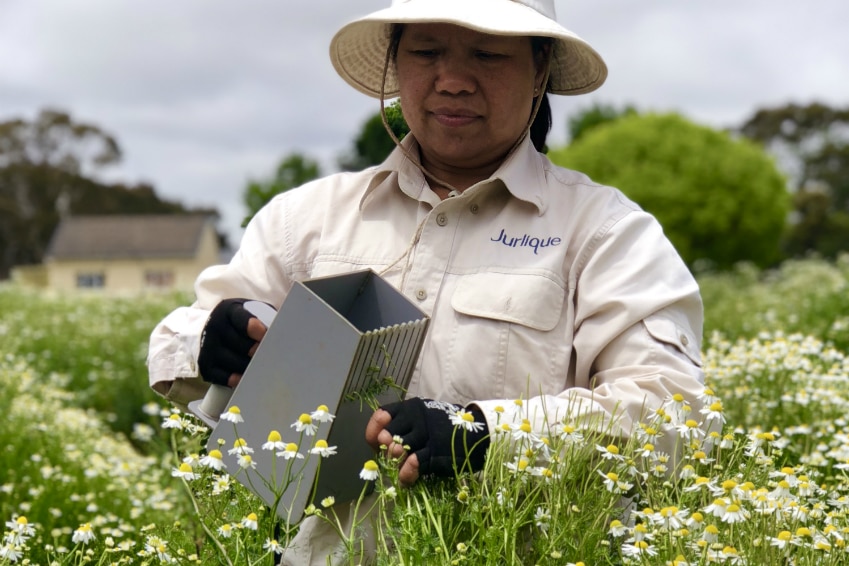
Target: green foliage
[
  {"x": 293, "y": 171},
  {"x": 596, "y": 115},
  {"x": 62, "y": 467},
  {"x": 801, "y": 296},
  {"x": 719, "y": 200},
  {"x": 812, "y": 144},
  {"x": 97, "y": 345},
  {"x": 374, "y": 144}
]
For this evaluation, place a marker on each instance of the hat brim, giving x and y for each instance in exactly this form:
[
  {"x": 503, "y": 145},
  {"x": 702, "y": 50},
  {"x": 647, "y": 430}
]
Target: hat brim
[{"x": 358, "y": 50}]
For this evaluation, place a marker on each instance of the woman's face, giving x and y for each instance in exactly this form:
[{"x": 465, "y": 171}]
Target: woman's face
[{"x": 467, "y": 96}]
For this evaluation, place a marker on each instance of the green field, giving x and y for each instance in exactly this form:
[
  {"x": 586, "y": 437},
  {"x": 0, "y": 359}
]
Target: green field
[{"x": 86, "y": 468}]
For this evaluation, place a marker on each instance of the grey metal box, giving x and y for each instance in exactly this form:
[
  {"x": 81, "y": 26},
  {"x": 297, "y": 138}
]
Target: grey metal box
[{"x": 333, "y": 338}]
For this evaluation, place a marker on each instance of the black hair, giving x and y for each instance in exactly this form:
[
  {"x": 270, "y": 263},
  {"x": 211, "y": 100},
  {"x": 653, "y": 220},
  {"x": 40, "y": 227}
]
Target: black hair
[{"x": 542, "y": 48}]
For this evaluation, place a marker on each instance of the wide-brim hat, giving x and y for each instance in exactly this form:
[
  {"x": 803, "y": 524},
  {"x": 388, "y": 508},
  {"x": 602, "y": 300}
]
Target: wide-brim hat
[{"x": 358, "y": 50}]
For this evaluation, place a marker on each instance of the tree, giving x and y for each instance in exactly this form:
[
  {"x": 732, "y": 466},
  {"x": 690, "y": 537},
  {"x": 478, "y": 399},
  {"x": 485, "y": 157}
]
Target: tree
[
  {"x": 293, "y": 171},
  {"x": 595, "y": 115},
  {"x": 812, "y": 144},
  {"x": 374, "y": 143},
  {"x": 45, "y": 168},
  {"x": 720, "y": 200}
]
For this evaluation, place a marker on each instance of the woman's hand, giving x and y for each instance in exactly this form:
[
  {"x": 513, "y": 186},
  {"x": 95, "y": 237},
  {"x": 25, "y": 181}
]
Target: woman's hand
[
  {"x": 429, "y": 438},
  {"x": 228, "y": 342}
]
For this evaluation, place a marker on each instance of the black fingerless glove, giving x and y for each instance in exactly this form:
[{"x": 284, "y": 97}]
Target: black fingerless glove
[
  {"x": 425, "y": 426},
  {"x": 224, "y": 343}
]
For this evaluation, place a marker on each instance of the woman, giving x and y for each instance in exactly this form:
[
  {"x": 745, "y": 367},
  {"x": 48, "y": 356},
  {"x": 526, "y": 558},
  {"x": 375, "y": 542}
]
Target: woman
[{"x": 540, "y": 284}]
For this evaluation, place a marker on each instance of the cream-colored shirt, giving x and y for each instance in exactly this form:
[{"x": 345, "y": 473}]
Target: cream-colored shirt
[{"x": 541, "y": 285}]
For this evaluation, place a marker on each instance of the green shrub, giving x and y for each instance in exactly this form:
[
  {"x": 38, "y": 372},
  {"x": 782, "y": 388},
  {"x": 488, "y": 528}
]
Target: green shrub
[{"x": 720, "y": 200}]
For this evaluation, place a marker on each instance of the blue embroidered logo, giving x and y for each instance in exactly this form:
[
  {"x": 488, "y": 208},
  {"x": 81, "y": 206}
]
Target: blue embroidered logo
[{"x": 526, "y": 241}]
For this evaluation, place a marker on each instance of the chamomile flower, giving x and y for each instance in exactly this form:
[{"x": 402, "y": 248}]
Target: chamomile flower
[
  {"x": 322, "y": 415},
  {"x": 240, "y": 446},
  {"x": 11, "y": 552},
  {"x": 233, "y": 415},
  {"x": 221, "y": 484},
  {"x": 617, "y": 528},
  {"x": 370, "y": 471},
  {"x": 174, "y": 421},
  {"x": 21, "y": 526},
  {"x": 213, "y": 459},
  {"x": 639, "y": 549},
  {"x": 613, "y": 484},
  {"x": 783, "y": 539},
  {"x": 304, "y": 424},
  {"x": 524, "y": 432},
  {"x": 466, "y": 420},
  {"x": 271, "y": 545},
  {"x": 518, "y": 465},
  {"x": 670, "y": 517},
  {"x": 328, "y": 501},
  {"x": 274, "y": 442},
  {"x": 734, "y": 514},
  {"x": 570, "y": 434},
  {"x": 184, "y": 471},
  {"x": 690, "y": 429},
  {"x": 250, "y": 521},
  {"x": 322, "y": 449},
  {"x": 713, "y": 412},
  {"x": 542, "y": 518},
  {"x": 226, "y": 530},
  {"x": 610, "y": 452},
  {"x": 290, "y": 452},
  {"x": 246, "y": 461},
  {"x": 84, "y": 534}
]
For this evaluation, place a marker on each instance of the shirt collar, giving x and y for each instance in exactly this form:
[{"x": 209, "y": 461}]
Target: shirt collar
[{"x": 522, "y": 173}]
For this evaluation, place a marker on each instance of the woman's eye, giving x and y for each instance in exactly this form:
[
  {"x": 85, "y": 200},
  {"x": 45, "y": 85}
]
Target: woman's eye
[
  {"x": 488, "y": 55},
  {"x": 426, "y": 53}
]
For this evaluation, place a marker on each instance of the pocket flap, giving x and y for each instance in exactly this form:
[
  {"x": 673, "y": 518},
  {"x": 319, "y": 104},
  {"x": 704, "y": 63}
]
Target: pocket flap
[
  {"x": 664, "y": 329},
  {"x": 531, "y": 300}
]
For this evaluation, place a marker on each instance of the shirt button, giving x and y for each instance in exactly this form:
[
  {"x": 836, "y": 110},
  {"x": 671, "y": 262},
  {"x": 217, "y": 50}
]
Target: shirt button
[
  {"x": 685, "y": 340},
  {"x": 441, "y": 219},
  {"x": 474, "y": 208},
  {"x": 421, "y": 294}
]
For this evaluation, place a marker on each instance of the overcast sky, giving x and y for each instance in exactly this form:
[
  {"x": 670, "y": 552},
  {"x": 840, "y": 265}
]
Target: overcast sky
[{"x": 203, "y": 95}]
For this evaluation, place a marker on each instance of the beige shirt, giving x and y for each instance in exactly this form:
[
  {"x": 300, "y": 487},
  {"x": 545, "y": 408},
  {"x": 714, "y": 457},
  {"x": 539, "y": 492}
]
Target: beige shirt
[{"x": 541, "y": 285}]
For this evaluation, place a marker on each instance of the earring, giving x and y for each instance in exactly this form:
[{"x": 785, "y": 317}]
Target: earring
[{"x": 536, "y": 91}]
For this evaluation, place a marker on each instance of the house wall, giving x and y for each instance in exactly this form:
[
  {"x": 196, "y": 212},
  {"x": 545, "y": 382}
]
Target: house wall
[{"x": 134, "y": 275}]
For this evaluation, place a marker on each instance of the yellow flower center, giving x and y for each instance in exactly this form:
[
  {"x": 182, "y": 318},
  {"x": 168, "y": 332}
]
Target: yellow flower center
[
  {"x": 784, "y": 535},
  {"x": 568, "y": 429},
  {"x": 668, "y": 511},
  {"x": 22, "y": 520},
  {"x": 321, "y": 444},
  {"x": 234, "y": 410},
  {"x": 678, "y": 398},
  {"x": 728, "y": 485},
  {"x": 468, "y": 417},
  {"x": 716, "y": 407},
  {"x": 733, "y": 508},
  {"x": 523, "y": 464},
  {"x": 518, "y": 402},
  {"x": 711, "y": 529},
  {"x": 274, "y": 436},
  {"x": 803, "y": 532},
  {"x": 691, "y": 423},
  {"x": 786, "y": 470},
  {"x": 239, "y": 443},
  {"x": 612, "y": 476},
  {"x": 305, "y": 419},
  {"x": 525, "y": 427},
  {"x": 648, "y": 447},
  {"x": 370, "y": 466},
  {"x": 185, "y": 468},
  {"x": 323, "y": 409},
  {"x": 252, "y": 517},
  {"x": 699, "y": 455},
  {"x": 613, "y": 449},
  {"x": 215, "y": 453},
  {"x": 291, "y": 447}
]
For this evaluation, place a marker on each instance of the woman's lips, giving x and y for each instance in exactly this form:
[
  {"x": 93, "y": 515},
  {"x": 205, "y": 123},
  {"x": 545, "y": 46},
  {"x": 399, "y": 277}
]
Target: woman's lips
[{"x": 454, "y": 118}]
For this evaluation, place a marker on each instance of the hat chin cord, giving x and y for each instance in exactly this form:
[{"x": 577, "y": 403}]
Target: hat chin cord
[{"x": 405, "y": 257}]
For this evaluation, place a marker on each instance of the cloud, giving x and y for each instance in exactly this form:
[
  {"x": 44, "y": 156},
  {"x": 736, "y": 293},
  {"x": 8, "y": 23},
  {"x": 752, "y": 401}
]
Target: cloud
[{"x": 206, "y": 94}]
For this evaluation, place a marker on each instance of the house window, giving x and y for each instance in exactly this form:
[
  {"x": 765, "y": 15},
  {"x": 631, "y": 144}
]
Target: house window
[
  {"x": 91, "y": 279},
  {"x": 158, "y": 278}
]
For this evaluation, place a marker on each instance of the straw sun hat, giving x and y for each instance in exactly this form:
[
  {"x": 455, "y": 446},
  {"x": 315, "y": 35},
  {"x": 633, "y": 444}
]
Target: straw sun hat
[{"x": 358, "y": 50}]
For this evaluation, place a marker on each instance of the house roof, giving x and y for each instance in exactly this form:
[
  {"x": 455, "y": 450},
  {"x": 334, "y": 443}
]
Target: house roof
[{"x": 127, "y": 236}]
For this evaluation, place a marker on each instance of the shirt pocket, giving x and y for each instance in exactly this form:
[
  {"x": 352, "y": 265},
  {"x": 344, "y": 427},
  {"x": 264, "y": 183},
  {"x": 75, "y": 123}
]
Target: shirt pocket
[
  {"x": 529, "y": 300},
  {"x": 666, "y": 330},
  {"x": 511, "y": 338}
]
